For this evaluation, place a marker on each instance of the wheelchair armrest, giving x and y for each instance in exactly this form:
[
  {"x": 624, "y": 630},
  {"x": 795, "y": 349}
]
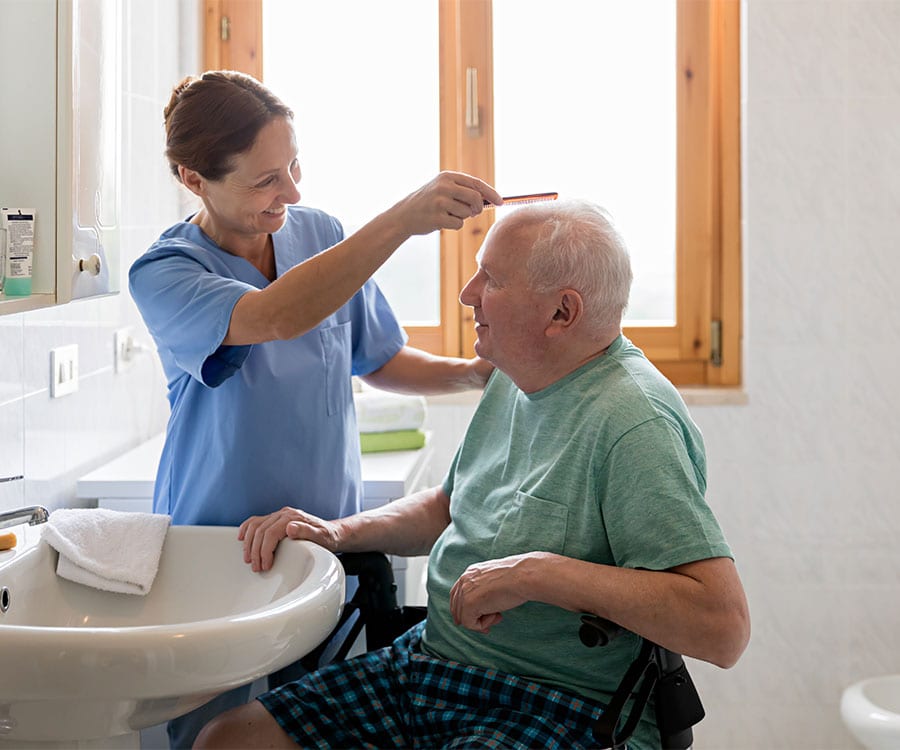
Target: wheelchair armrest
[
  {"x": 373, "y": 607},
  {"x": 597, "y": 631},
  {"x": 678, "y": 705},
  {"x": 377, "y": 590}
]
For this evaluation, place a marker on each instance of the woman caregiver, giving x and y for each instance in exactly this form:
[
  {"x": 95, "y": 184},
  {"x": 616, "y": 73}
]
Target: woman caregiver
[{"x": 261, "y": 310}]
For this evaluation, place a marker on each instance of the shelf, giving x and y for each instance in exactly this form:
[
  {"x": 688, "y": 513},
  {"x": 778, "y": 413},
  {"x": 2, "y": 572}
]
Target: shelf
[{"x": 22, "y": 304}]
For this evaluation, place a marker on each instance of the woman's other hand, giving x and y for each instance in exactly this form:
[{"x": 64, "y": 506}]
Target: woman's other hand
[
  {"x": 262, "y": 534},
  {"x": 481, "y": 371}
]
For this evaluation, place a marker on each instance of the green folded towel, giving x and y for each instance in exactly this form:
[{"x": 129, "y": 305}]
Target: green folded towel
[{"x": 396, "y": 440}]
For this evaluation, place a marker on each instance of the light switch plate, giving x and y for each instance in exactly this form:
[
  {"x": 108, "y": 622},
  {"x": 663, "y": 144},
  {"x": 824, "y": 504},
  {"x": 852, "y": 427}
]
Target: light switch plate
[
  {"x": 63, "y": 370},
  {"x": 122, "y": 349}
]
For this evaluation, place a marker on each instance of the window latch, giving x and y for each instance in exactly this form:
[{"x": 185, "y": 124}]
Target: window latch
[
  {"x": 715, "y": 343},
  {"x": 472, "y": 120}
]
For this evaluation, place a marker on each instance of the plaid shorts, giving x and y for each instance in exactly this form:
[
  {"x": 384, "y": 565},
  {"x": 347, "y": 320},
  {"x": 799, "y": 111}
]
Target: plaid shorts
[{"x": 398, "y": 697}]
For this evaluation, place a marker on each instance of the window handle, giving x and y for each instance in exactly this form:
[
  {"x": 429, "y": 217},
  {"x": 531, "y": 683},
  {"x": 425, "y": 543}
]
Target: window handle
[{"x": 472, "y": 121}]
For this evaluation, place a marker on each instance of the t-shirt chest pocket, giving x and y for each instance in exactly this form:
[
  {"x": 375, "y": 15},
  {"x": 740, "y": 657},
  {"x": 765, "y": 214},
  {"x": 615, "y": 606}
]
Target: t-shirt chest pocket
[{"x": 531, "y": 524}]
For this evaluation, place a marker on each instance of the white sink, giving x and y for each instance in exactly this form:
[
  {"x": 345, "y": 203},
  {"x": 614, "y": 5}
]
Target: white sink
[
  {"x": 870, "y": 709},
  {"x": 83, "y": 664}
]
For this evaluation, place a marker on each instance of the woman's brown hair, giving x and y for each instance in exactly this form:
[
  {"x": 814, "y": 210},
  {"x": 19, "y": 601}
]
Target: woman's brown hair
[{"x": 212, "y": 118}]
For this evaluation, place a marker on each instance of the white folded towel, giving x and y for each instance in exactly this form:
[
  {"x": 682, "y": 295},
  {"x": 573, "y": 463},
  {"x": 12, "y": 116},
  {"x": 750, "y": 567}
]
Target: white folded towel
[
  {"x": 108, "y": 549},
  {"x": 381, "y": 411}
]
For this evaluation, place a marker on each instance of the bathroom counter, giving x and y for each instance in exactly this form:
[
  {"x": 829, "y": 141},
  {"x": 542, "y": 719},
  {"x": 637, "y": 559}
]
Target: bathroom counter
[
  {"x": 126, "y": 483},
  {"x": 131, "y": 475}
]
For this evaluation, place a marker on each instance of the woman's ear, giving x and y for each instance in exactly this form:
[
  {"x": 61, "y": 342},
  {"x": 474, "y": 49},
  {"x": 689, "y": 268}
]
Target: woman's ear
[
  {"x": 569, "y": 309},
  {"x": 192, "y": 180}
]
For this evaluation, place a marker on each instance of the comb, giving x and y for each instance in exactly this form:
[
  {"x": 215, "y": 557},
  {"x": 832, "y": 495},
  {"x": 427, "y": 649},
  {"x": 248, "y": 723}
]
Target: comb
[{"x": 520, "y": 199}]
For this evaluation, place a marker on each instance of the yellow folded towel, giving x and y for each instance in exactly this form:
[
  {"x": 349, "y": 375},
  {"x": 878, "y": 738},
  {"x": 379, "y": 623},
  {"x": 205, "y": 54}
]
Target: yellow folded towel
[{"x": 396, "y": 440}]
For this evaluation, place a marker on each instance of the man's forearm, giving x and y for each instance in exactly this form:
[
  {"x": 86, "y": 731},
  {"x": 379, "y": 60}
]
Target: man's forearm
[
  {"x": 694, "y": 609},
  {"x": 697, "y": 609},
  {"x": 408, "y": 526}
]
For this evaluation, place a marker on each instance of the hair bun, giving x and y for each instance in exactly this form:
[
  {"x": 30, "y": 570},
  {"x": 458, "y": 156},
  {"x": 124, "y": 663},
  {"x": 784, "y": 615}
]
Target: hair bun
[{"x": 176, "y": 96}]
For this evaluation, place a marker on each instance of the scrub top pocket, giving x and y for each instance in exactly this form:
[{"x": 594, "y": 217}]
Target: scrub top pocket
[
  {"x": 531, "y": 524},
  {"x": 336, "y": 353}
]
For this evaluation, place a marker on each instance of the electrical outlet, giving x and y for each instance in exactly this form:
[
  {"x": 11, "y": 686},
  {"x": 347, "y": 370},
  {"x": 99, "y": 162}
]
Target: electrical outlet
[
  {"x": 123, "y": 349},
  {"x": 63, "y": 370}
]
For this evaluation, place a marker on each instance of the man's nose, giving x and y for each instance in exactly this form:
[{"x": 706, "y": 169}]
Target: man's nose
[{"x": 467, "y": 296}]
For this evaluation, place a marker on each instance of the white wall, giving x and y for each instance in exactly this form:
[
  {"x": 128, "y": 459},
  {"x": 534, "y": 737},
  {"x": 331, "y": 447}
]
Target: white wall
[
  {"x": 55, "y": 441},
  {"x": 804, "y": 478}
]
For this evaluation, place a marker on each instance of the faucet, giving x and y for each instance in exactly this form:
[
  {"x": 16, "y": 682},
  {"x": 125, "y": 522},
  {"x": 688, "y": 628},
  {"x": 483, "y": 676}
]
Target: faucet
[{"x": 32, "y": 515}]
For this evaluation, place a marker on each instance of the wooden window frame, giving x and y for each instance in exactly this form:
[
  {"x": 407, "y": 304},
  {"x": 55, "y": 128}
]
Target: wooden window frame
[
  {"x": 704, "y": 346},
  {"x": 232, "y": 36}
]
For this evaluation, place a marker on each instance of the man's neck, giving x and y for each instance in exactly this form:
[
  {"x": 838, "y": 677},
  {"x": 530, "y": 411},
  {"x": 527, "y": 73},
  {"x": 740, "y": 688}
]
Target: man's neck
[{"x": 556, "y": 365}]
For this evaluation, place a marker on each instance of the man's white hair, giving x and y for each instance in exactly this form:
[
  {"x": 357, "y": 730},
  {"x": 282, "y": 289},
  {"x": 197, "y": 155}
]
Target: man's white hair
[{"x": 578, "y": 247}]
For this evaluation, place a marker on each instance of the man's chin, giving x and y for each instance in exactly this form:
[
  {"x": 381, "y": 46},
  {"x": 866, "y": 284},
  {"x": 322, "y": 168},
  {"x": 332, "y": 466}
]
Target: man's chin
[{"x": 481, "y": 351}]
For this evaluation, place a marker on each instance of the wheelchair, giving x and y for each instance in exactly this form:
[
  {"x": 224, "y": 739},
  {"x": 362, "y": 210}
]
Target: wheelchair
[{"x": 656, "y": 672}]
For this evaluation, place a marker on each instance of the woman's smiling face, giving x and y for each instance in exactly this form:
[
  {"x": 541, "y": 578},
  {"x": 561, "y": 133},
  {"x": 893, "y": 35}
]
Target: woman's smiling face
[{"x": 252, "y": 198}]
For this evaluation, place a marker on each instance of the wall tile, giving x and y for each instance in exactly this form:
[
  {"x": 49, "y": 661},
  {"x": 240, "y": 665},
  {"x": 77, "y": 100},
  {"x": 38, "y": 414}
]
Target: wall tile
[
  {"x": 12, "y": 430},
  {"x": 12, "y": 440},
  {"x": 12, "y": 495}
]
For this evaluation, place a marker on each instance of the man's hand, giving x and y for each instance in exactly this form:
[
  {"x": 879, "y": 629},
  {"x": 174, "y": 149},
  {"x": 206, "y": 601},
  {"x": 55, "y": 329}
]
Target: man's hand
[
  {"x": 486, "y": 590},
  {"x": 262, "y": 534}
]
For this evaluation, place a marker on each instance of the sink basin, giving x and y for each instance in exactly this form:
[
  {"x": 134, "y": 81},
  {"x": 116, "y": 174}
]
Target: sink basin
[
  {"x": 870, "y": 709},
  {"x": 83, "y": 664}
]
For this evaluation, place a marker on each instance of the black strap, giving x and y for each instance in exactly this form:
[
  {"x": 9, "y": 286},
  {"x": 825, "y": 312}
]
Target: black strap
[{"x": 606, "y": 730}]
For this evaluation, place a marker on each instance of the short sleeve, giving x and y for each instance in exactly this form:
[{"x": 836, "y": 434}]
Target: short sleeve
[
  {"x": 187, "y": 308},
  {"x": 377, "y": 334},
  {"x": 653, "y": 507}
]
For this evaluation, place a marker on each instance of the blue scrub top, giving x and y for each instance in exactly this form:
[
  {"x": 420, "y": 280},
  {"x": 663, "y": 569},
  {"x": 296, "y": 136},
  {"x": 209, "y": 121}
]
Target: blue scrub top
[{"x": 255, "y": 428}]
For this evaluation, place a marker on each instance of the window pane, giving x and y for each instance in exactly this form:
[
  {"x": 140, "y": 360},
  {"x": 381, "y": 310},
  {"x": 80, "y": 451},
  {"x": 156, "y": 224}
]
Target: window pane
[
  {"x": 362, "y": 79},
  {"x": 584, "y": 104}
]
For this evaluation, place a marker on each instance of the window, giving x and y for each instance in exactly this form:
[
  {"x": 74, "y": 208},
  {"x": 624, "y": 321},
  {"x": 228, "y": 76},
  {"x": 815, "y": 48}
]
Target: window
[
  {"x": 674, "y": 86},
  {"x": 353, "y": 123}
]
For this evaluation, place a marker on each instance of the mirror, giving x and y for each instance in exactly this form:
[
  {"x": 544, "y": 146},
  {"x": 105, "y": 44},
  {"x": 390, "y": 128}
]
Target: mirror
[{"x": 60, "y": 129}]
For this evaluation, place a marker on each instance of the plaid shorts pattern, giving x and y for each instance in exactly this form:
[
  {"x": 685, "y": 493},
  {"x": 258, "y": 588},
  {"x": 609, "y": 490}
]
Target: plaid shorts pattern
[{"x": 398, "y": 697}]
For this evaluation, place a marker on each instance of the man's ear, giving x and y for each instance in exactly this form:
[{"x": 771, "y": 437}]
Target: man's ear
[
  {"x": 569, "y": 310},
  {"x": 192, "y": 180}
]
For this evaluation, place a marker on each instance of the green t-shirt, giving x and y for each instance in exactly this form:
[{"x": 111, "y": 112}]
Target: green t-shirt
[{"x": 604, "y": 465}]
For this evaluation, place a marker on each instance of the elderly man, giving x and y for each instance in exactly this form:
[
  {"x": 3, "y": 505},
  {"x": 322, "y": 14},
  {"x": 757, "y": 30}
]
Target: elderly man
[{"x": 578, "y": 488}]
